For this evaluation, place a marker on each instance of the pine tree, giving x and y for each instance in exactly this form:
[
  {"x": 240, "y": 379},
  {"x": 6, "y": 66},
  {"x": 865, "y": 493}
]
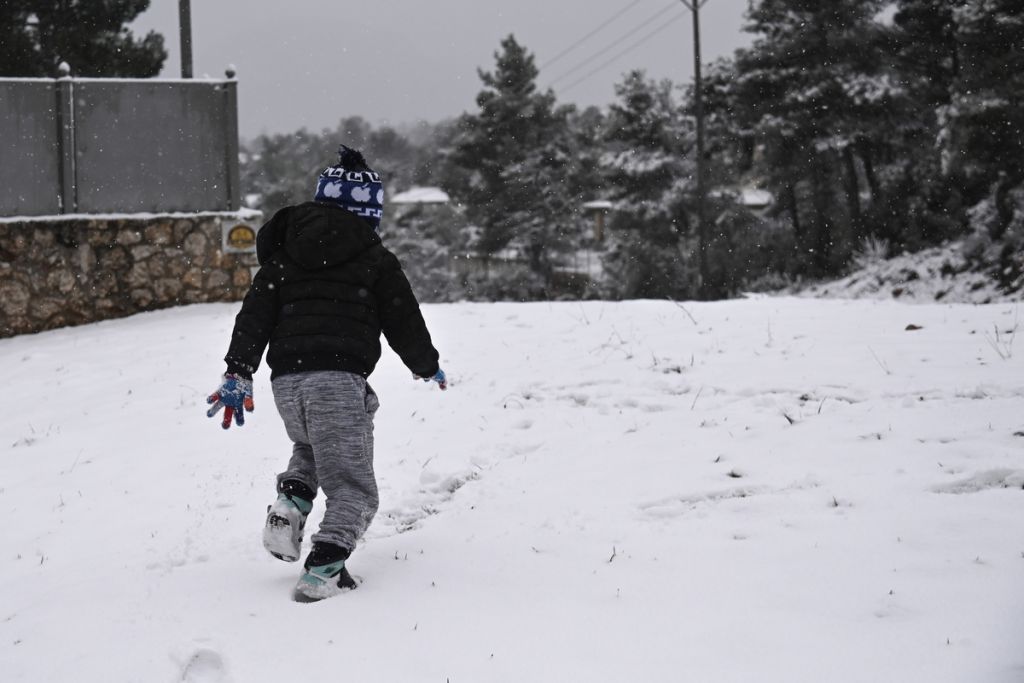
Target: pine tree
[
  {"x": 514, "y": 153},
  {"x": 985, "y": 134},
  {"x": 924, "y": 164},
  {"x": 90, "y": 35},
  {"x": 734, "y": 237},
  {"x": 927, "y": 48},
  {"x": 649, "y": 166},
  {"x": 815, "y": 92},
  {"x": 584, "y": 176},
  {"x": 282, "y": 169},
  {"x": 17, "y": 48},
  {"x": 988, "y": 99}
]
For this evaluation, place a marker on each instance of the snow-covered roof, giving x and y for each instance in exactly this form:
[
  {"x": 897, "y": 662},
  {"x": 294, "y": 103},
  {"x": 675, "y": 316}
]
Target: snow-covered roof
[
  {"x": 598, "y": 205},
  {"x": 750, "y": 196},
  {"x": 421, "y": 195},
  {"x": 745, "y": 196}
]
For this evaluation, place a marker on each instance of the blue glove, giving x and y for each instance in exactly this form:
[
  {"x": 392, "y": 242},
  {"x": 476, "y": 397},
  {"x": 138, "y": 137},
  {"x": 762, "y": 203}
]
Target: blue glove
[
  {"x": 234, "y": 396},
  {"x": 439, "y": 377}
]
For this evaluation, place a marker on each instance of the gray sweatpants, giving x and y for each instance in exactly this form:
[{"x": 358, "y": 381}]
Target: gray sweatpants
[{"x": 329, "y": 418}]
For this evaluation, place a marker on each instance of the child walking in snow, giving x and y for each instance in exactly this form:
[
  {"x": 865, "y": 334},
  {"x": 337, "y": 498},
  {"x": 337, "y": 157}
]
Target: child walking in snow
[{"x": 325, "y": 290}]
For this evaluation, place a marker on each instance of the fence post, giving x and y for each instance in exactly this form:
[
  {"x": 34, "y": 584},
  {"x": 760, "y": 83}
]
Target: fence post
[
  {"x": 65, "y": 91},
  {"x": 234, "y": 199}
]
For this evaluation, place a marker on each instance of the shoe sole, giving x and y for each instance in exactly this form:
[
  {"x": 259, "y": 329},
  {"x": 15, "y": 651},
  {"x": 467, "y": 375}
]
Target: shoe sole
[{"x": 278, "y": 541}]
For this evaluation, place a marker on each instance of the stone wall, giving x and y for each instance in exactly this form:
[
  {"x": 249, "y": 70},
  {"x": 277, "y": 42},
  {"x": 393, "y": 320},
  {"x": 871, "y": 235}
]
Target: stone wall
[{"x": 68, "y": 271}]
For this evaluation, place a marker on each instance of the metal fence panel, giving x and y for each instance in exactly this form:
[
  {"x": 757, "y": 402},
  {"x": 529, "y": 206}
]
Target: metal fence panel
[
  {"x": 72, "y": 145},
  {"x": 151, "y": 146},
  {"x": 29, "y": 148}
]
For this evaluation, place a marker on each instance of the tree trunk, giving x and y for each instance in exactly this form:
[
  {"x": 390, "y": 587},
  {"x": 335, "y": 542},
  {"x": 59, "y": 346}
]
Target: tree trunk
[
  {"x": 864, "y": 151},
  {"x": 822, "y": 240},
  {"x": 794, "y": 214},
  {"x": 851, "y": 187},
  {"x": 1004, "y": 207}
]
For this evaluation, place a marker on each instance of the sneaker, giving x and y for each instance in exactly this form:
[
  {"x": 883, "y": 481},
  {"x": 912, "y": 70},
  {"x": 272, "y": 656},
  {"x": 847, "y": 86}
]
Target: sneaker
[
  {"x": 325, "y": 574},
  {"x": 286, "y": 521}
]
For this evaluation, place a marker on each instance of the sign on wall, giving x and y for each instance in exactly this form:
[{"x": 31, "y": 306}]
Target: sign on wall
[{"x": 238, "y": 237}]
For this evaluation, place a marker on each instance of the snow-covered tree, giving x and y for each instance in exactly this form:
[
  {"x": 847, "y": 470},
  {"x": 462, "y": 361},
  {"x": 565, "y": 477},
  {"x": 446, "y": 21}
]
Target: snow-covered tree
[
  {"x": 425, "y": 238},
  {"x": 925, "y": 194},
  {"x": 36, "y": 36},
  {"x": 814, "y": 90},
  {"x": 649, "y": 168},
  {"x": 282, "y": 169},
  {"x": 985, "y": 133},
  {"x": 987, "y": 109},
  {"x": 514, "y": 154},
  {"x": 927, "y": 48}
]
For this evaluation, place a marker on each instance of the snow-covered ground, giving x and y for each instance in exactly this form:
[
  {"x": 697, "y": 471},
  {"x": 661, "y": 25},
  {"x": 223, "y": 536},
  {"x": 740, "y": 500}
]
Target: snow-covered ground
[
  {"x": 772, "y": 489},
  {"x": 937, "y": 274}
]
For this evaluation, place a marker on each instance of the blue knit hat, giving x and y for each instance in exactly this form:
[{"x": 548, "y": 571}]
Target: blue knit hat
[{"x": 352, "y": 184}]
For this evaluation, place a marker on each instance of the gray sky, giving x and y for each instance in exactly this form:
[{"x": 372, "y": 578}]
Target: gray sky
[{"x": 311, "y": 62}]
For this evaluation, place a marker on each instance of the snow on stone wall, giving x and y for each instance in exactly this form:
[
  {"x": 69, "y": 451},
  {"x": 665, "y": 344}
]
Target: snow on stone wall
[{"x": 55, "y": 273}]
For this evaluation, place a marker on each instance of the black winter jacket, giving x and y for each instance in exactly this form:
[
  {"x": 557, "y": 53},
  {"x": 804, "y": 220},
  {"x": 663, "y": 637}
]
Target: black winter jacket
[{"x": 325, "y": 290}]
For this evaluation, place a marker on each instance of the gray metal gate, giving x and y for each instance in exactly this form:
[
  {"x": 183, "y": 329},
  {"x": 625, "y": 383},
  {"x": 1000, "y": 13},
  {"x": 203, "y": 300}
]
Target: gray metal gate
[{"x": 94, "y": 145}]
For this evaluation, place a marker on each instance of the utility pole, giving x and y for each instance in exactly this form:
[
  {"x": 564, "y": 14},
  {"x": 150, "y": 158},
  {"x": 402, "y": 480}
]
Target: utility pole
[
  {"x": 185, "y": 30},
  {"x": 698, "y": 101}
]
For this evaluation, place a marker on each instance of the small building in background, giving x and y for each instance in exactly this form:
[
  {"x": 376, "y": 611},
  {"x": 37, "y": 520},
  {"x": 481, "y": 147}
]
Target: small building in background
[
  {"x": 597, "y": 211},
  {"x": 417, "y": 204},
  {"x": 420, "y": 196}
]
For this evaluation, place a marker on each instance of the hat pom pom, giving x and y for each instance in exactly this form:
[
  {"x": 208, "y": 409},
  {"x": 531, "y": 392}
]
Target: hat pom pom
[{"x": 350, "y": 158}]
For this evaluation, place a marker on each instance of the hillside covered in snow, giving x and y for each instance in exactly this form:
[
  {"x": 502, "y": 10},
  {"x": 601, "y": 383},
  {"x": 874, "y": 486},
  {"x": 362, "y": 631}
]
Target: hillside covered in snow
[
  {"x": 771, "y": 490},
  {"x": 938, "y": 274}
]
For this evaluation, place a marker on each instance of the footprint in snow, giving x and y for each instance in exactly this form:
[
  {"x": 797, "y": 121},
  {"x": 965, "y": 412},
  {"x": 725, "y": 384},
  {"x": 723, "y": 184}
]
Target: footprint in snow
[
  {"x": 435, "y": 491},
  {"x": 676, "y": 506},
  {"x": 990, "y": 479},
  {"x": 205, "y": 666}
]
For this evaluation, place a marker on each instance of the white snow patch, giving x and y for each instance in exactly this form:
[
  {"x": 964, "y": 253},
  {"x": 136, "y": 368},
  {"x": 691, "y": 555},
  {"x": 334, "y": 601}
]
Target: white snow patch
[
  {"x": 935, "y": 274},
  {"x": 244, "y": 214}
]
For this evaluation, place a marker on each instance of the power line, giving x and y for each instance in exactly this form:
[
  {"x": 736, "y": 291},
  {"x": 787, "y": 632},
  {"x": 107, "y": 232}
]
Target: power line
[
  {"x": 590, "y": 35},
  {"x": 623, "y": 53},
  {"x": 589, "y": 60}
]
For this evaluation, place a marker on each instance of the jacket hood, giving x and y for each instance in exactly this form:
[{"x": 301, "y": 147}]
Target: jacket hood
[{"x": 315, "y": 235}]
